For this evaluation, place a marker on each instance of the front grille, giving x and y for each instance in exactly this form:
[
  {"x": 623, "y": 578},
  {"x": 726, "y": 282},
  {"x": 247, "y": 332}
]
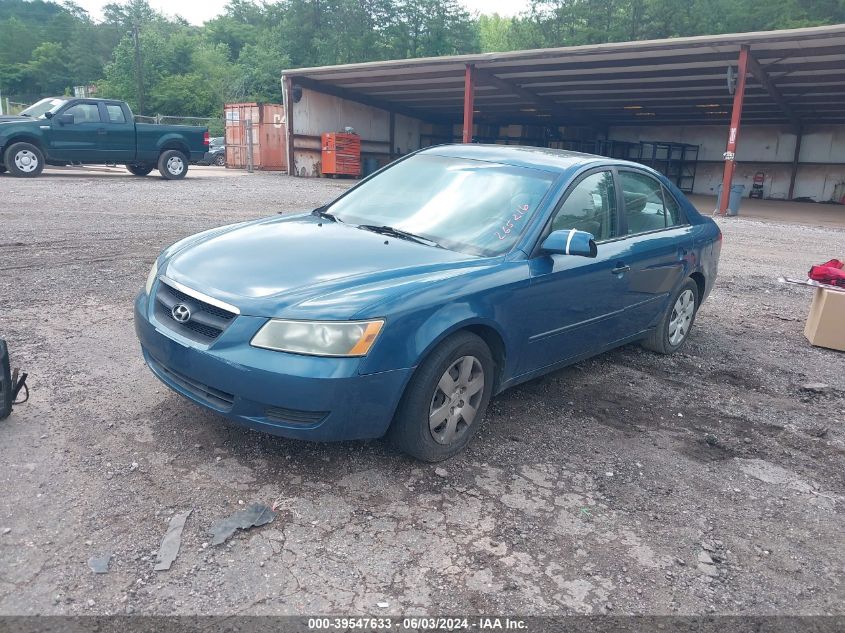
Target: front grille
[
  {"x": 214, "y": 397},
  {"x": 206, "y": 323},
  {"x": 293, "y": 416}
]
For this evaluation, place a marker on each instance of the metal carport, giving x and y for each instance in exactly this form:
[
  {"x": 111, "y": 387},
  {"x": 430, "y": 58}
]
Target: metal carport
[{"x": 790, "y": 78}]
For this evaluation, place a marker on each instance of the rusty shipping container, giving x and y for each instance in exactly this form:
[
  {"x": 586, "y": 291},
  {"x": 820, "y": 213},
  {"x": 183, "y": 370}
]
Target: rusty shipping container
[{"x": 269, "y": 149}]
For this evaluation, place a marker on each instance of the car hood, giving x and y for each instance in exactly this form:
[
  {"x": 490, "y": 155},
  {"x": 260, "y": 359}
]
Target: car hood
[{"x": 306, "y": 267}]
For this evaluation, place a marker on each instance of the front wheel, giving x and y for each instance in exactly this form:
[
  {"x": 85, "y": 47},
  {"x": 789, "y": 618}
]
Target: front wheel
[
  {"x": 445, "y": 400},
  {"x": 139, "y": 170},
  {"x": 220, "y": 160},
  {"x": 674, "y": 328},
  {"x": 24, "y": 160},
  {"x": 172, "y": 164}
]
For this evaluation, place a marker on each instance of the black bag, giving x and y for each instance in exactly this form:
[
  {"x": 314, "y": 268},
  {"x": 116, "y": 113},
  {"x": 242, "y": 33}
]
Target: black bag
[{"x": 10, "y": 384}]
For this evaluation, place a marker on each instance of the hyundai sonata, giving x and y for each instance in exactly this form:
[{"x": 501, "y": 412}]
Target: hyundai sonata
[{"x": 404, "y": 305}]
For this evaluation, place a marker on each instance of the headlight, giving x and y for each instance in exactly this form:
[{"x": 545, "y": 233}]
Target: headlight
[
  {"x": 319, "y": 338},
  {"x": 152, "y": 276}
]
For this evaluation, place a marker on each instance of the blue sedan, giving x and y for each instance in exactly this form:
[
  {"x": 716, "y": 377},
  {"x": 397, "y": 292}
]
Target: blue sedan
[{"x": 404, "y": 305}]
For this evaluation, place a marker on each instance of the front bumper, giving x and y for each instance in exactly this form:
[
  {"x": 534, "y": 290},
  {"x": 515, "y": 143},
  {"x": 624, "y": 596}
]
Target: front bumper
[{"x": 292, "y": 395}]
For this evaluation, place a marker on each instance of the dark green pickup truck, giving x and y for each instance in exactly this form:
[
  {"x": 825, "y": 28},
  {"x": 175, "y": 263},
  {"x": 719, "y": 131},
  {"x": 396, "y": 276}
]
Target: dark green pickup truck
[{"x": 64, "y": 130}]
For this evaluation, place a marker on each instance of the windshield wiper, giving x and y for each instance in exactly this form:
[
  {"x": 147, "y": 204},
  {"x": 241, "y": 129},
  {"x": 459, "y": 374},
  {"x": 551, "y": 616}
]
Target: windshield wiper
[
  {"x": 322, "y": 213},
  {"x": 389, "y": 230}
]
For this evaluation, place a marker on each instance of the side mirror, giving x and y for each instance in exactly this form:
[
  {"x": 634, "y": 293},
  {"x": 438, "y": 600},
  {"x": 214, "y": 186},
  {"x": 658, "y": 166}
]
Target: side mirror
[
  {"x": 572, "y": 242},
  {"x": 48, "y": 115},
  {"x": 65, "y": 119}
]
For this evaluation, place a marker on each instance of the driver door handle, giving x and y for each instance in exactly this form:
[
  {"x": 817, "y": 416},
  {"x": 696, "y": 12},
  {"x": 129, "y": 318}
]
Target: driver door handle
[{"x": 620, "y": 268}]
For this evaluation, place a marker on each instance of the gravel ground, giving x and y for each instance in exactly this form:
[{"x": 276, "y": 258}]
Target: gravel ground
[{"x": 709, "y": 481}]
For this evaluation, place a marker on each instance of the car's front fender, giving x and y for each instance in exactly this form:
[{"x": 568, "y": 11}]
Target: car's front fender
[{"x": 482, "y": 302}]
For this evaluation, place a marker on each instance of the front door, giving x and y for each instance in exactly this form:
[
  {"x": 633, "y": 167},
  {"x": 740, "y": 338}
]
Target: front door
[
  {"x": 82, "y": 140},
  {"x": 576, "y": 303}
]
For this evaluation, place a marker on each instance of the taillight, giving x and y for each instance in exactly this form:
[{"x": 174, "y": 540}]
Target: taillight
[{"x": 205, "y": 138}]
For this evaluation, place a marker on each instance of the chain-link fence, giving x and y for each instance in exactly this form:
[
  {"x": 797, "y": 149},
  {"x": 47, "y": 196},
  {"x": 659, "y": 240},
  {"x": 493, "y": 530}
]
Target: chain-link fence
[{"x": 214, "y": 124}]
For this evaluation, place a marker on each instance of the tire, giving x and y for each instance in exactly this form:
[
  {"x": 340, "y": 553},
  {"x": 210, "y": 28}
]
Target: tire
[
  {"x": 220, "y": 160},
  {"x": 139, "y": 170},
  {"x": 2, "y": 169},
  {"x": 426, "y": 425},
  {"x": 24, "y": 160},
  {"x": 172, "y": 164},
  {"x": 667, "y": 338}
]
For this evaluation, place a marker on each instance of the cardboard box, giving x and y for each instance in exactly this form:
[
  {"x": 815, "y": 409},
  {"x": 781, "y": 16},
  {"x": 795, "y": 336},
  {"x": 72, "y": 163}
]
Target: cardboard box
[{"x": 826, "y": 321}]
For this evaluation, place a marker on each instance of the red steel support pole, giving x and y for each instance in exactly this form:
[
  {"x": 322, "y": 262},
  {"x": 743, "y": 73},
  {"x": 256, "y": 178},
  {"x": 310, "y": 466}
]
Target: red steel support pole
[
  {"x": 469, "y": 95},
  {"x": 733, "y": 134}
]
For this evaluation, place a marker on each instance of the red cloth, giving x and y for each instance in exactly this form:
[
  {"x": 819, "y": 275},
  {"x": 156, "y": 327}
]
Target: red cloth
[{"x": 831, "y": 272}]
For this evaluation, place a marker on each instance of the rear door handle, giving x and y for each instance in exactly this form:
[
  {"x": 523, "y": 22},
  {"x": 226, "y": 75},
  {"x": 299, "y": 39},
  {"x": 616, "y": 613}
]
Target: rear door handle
[
  {"x": 101, "y": 130},
  {"x": 621, "y": 268}
]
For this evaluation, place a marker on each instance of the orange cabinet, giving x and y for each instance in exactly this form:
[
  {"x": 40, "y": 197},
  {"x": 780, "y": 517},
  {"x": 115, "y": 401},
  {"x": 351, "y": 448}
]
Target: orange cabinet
[{"x": 341, "y": 154}]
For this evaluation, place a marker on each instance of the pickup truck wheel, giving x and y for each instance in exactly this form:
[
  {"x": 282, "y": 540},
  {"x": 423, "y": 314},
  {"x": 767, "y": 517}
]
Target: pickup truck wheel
[
  {"x": 172, "y": 164},
  {"x": 139, "y": 170},
  {"x": 24, "y": 160},
  {"x": 2, "y": 169}
]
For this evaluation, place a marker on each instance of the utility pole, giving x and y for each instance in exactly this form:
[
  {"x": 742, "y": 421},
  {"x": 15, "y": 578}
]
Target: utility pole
[{"x": 139, "y": 74}]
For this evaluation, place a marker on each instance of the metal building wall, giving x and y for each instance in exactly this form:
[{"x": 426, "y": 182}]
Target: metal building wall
[
  {"x": 766, "y": 148},
  {"x": 316, "y": 113}
]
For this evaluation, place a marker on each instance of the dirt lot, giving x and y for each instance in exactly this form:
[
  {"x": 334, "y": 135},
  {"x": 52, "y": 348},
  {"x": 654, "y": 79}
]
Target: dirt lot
[{"x": 596, "y": 489}]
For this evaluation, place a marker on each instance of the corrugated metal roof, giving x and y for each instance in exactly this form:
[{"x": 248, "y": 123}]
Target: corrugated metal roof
[{"x": 679, "y": 81}]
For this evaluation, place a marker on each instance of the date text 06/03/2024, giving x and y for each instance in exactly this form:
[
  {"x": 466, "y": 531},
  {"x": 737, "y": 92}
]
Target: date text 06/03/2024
[{"x": 419, "y": 623}]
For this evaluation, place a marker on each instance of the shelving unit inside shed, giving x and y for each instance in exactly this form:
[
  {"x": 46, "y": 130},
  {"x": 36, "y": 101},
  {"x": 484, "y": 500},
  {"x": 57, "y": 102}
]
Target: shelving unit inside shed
[{"x": 676, "y": 161}]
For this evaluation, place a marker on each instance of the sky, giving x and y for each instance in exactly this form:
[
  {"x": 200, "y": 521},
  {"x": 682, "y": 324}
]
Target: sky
[{"x": 198, "y": 11}]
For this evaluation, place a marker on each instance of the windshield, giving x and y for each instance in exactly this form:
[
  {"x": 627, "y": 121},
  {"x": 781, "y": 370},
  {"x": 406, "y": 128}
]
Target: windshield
[
  {"x": 464, "y": 205},
  {"x": 37, "y": 110}
]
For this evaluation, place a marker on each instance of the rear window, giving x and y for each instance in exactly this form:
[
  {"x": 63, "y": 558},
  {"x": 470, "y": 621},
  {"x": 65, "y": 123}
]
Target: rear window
[{"x": 115, "y": 114}]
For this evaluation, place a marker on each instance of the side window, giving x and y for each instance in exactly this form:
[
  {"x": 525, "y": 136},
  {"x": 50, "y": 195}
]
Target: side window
[
  {"x": 84, "y": 113},
  {"x": 644, "y": 207},
  {"x": 115, "y": 113},
  {"x": 674, "y": 216},
  {"x": 590, "y": 206}
]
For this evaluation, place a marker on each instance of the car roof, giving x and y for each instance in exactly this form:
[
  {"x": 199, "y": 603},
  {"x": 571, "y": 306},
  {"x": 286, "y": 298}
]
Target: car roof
[{"x": 555, "y": 160}]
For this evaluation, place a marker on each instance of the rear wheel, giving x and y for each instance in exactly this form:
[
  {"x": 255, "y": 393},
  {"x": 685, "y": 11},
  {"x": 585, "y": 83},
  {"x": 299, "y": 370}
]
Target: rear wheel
[
  {"x": 139, "y": 170},
  {"x": 674, "y": 328},
  {"x": 24, "y": 160},
  {"x": 446, "y": 399},
  {"x": 2, "y": 169},
  {"x": 172, "y": 164},
  {"x": 220, "y": 160}
]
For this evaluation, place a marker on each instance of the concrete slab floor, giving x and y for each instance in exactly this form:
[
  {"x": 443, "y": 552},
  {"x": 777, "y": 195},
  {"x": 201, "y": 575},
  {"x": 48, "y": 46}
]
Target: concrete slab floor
[{"x": 809, "y": 213}]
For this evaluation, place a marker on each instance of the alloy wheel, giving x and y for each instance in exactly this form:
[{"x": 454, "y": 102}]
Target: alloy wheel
[
  {"x": 454, "y": 405},
  {"x": 175, "y": 165},
  {"x": 26, "y": 161},
  {"x": 682, "y": 313}
]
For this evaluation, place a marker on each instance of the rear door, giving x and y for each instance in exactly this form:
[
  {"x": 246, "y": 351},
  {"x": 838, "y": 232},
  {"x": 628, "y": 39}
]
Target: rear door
[
  {"x": 119, "y": 140},
  {"x": 574, "y": 304},
  {"x": 81, "y": 141},
  {"x": 659, "y": 247}
]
